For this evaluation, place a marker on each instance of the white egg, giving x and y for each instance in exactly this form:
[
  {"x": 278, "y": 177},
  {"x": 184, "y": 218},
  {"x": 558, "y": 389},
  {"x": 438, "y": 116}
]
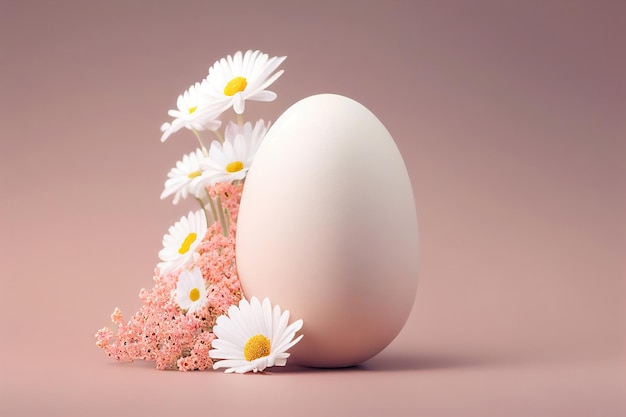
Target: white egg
[{"x": 328, "y": 230}]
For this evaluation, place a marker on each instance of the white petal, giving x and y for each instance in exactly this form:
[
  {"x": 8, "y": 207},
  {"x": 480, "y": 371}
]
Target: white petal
[
  {"x": 257, "y": 316},
  {"x": 282, "y": 325},
  {"x": 280, "y": 362},
  {"x": 226, "y": 345},
  {"x": 267, "y": 317},
  {"x": 229, "y": 362},
  {"x": 230, "y": 331},
  {"x": 263, "y": 95},
  {"x": 284, "y": 347},
  {"x": 287, "y": 335},
  {"x": 238, "y": 103},
  {"x": 246, "y": 320},
  {"x": 225, "y": 355},
  {"x": 245, "y": 368}
]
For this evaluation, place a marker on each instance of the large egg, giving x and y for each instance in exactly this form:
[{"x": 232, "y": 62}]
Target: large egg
[{"x": 327, "y": 229}]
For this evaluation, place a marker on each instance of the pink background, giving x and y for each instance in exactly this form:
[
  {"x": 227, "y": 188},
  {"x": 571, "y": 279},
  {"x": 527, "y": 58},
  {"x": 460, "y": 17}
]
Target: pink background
[{"x": 510, "y": 117}]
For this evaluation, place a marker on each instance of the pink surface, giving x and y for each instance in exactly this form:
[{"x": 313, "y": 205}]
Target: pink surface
[{"x": 510, "y": 118}]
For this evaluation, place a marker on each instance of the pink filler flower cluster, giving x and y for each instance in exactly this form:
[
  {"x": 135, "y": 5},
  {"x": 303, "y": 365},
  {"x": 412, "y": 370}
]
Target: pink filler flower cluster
[{"x": 160, "y": 331}]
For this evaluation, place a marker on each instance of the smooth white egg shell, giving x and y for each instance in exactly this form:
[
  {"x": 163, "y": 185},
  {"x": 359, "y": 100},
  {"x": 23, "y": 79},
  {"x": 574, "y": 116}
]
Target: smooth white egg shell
[{"x": 328, "y": 230}]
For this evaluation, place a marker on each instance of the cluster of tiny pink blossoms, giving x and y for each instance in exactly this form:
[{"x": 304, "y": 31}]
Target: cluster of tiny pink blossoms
[
  {"x": 161, "y": 331},
  {"x": 196, "y": 281}
]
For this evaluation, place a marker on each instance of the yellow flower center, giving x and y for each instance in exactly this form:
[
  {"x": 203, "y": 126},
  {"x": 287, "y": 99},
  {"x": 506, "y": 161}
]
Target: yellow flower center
[
  {"x": 194, "y": 174},
  {"x": 235, "y": 85},
  {"x": 192, "y": 109},
  {"x": 256, "y": 347},
  {"x": 194, "y": 294},
  {"x": 184, "y": 248},
  {"x": 234, "y": 167}
]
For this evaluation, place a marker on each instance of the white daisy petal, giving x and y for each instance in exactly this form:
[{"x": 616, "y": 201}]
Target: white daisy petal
[
  {"x": 235, "y": 79},
  {"x": 267, "y": 316},
  {"x": 226, "y": 345},
  {"x": 180, "y": 246},
  {"x": 282, "y": 325},
  {"x": 251, "y": 339},
  {"x": 229, "y": 355},
  {"x": 231, "y": 331},
  {"x": 239, "y": 103},
  {"x": 196, "y": 110},
  {"x": 216, "y": 153},
  {"x": 238, "y": 320},
  {"x": 228, "y": 363},
  {"x": 231, "y": 160},
  {"x": 275, "y": 321},
  {"x": 260, "y": 364},
  {"x": 245, "y": 317},
  {"x": 187, "y": 178},
  {"x": 257, "y": 315},
  {"x": 265, "y": 95},
  {"x": 245, "y": 368},
  {"x": 266, "y": 83},
  {"x": 169, "y": 128},
  {"x": 287, "y": 346},
  {"x": 280, "y": 361},
  {"x": 289, "y": 333},
  {"x": 191, "y": 292}
]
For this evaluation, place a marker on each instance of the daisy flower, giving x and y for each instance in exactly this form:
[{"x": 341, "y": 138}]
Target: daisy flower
[
  {"x": 231, "y": 161},
  {"x": 191, "y": 292},
  {"x": 196, "y": 111},
  {"x": 253, "y": 337},
  {"x": 181, "y": 243},
  {"x": 186, "y": 178},
  {"x": 235, "y": 79}
]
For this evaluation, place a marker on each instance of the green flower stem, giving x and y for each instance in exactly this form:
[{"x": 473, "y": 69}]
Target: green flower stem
[
  {"x": 220, "y": 215},
  {"x": 206, "y": 214},
  {"x": 220, "y": 138},
  {"x": 204, "y": 151},
  {"x": 212, "y": 205}
]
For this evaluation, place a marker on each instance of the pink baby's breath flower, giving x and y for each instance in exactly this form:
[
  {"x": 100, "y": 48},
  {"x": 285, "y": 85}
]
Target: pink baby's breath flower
[
  {"x": 103, "y": 337},
  {"x": 198, "y": 357},
  {"x": 116, "y": 317},
  {"x": 160, "y": 331}
]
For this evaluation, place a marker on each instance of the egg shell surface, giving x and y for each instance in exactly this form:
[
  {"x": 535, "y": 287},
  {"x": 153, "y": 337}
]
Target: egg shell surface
[{"x": 327, "y": 229}]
